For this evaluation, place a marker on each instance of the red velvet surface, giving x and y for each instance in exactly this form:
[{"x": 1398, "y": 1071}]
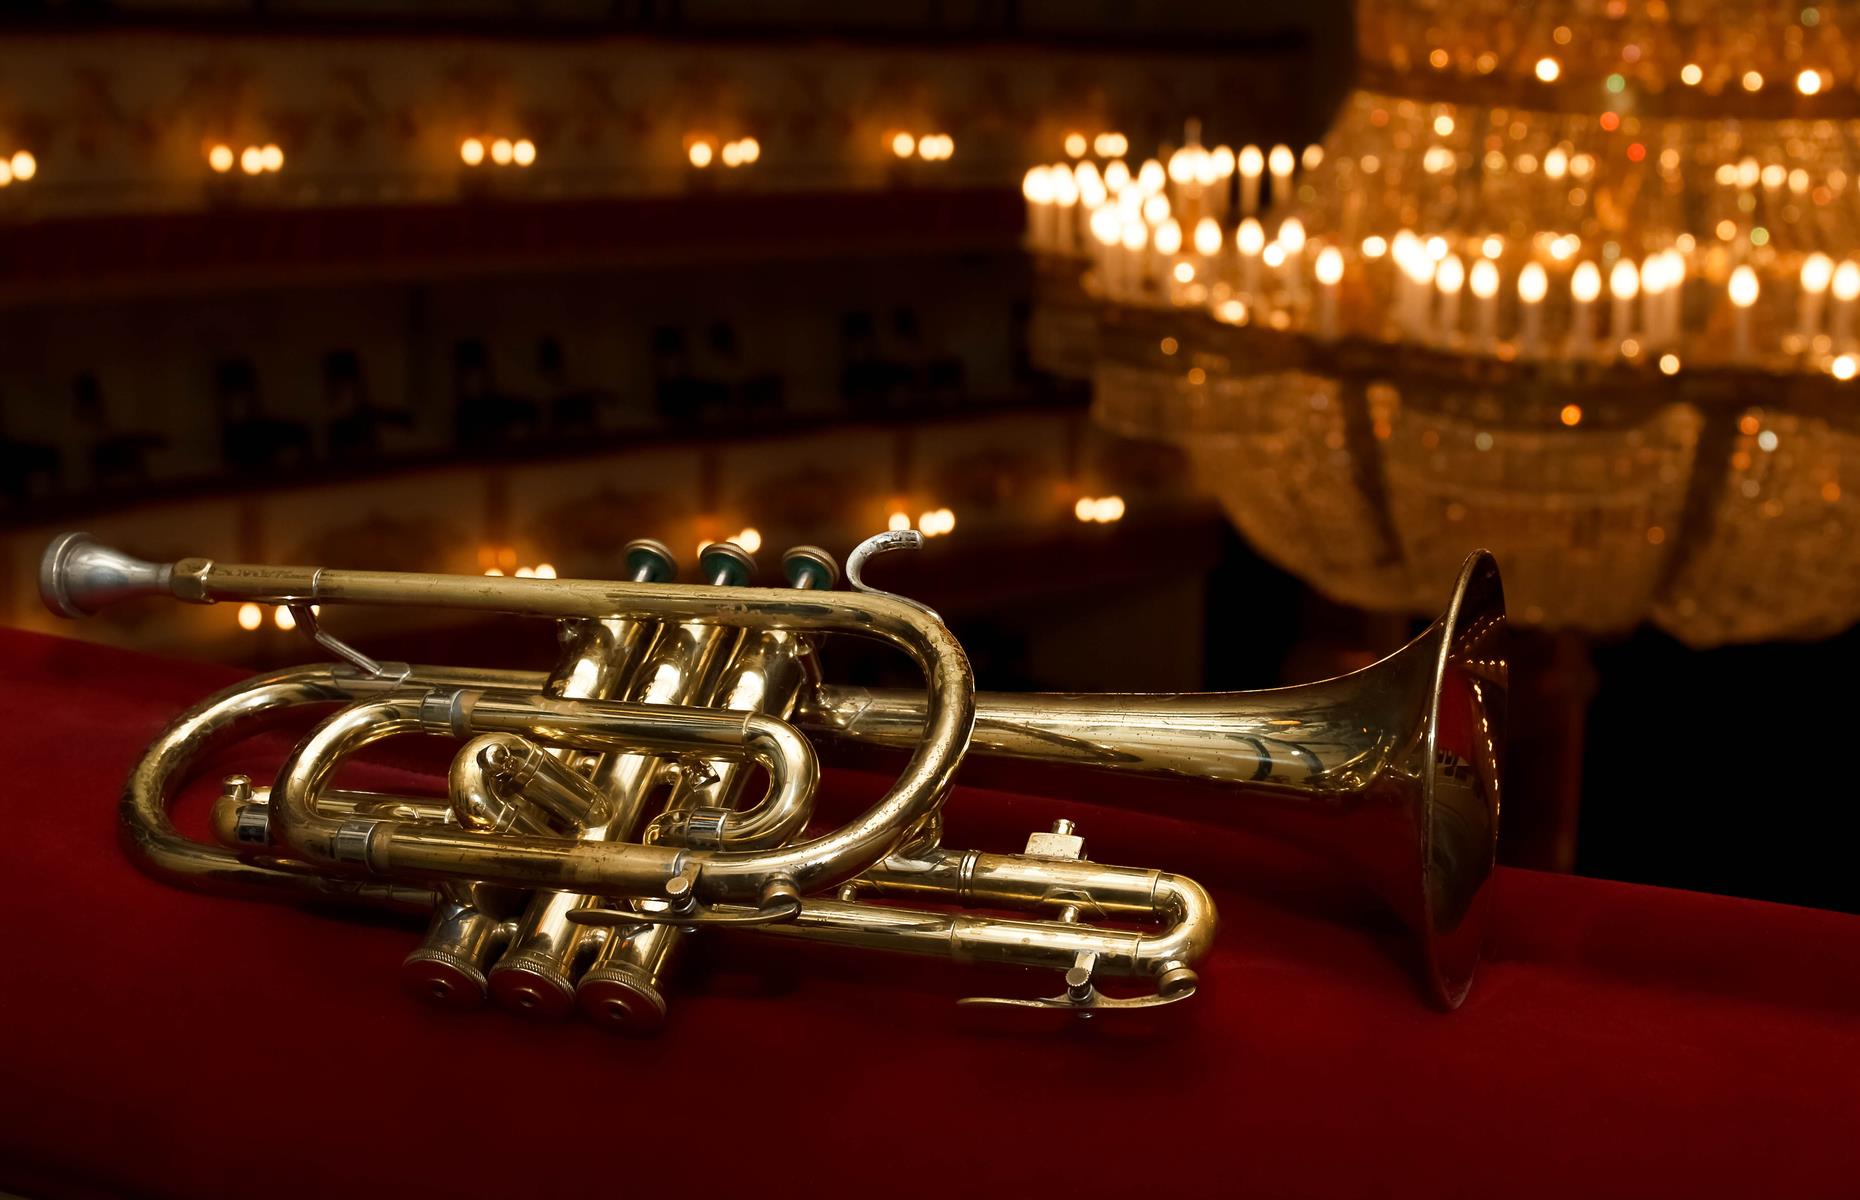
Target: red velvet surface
[{"x": 1620, "y": 1040}]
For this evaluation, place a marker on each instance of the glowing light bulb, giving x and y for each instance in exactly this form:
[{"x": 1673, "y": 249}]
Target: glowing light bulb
[
  {"x": 220, "y": 158},
  {"x": 1669, "y": 364},
  {"x": 1753, "y": 81},
  {"x": 1492, "y": 246},
  {"x": 1151, "y": 177},
  {"x": 1184, "y": 272},
  {"x": 1168, "y": 237},
  {"x": 250, "y": 617},
  {"x": 750, "y": 149},
  {"x": 1280, "y": 161},
  {"x": 1443, "y": 125},
  {"x": 1556, "y": 162},
  {"x": 1104, "y": 228},
  {"x": 1208, "y": 237},
  {"x": 271, "y": 157},
  {"x": 502, "y": 152},
  {"x": 1847, "y": 281},
  {"x": 1075, "y": 145},
  {"x": 1691, "y": 75},
  {"x": 1273, "y": 256},
  {"x": 523, "y": 152},
  {"x": 1533, "y": 283},
  {"x": 1484, "y": 279},
  {"x": 1624, "y": 281},
  {"x": 1222, "y": 161},
  {"x": 1743, "y": 287},
  {"x": 1065, "y": 187},
  {"x": 545, "y": 570},
  {"x": 903, "y": 145},
  {"x": 1329, "y": 269},
  {"x": 1842, "y": 367},
  {"x": 1250, "y": 161},
  {"x": 471, "y": 151},
  {"x": 1086, "y": 509},
  {"x": 252, "y": 160},
  {"x": 1548, "y": 69},
  {"x": 1817, "y": 273},
  {"x": 1586, "y": 284},
  {"x": 1182, "y": 166},
  {"x": 1116, "y": 177},
  {"x": 1808, "y": 82},
  {"x": 1292, "y": 235},
  {"x": 1111, "y": 145},
  {"x": 1452, "y": 274},
  {"x": 1111, "y": 508},
  {"x": 898, "y": 522},
  {"x": 1037, "y": 185},
  {"x": 701, "y": 154},
  {"x": 1250, "y": 237},
  {"x": 1375, "y": 246},
  {"x": 750, "y": 539},
  {"x": 1571, "y": 415},
  {"x": 731, "y": 155},
  {"x": 24, "y": 165}
]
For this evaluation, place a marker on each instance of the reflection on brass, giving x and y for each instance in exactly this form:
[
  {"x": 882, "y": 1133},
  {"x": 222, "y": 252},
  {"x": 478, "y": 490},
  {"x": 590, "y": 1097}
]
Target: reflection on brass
[{"x": 597, "y": 814}]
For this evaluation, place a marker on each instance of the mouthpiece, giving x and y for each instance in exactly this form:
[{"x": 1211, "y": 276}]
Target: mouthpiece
[{"x": 78, "y": 576}]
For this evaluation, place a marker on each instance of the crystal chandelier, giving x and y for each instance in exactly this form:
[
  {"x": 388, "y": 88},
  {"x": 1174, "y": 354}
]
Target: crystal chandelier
[{"x": 1574, "y": 281}]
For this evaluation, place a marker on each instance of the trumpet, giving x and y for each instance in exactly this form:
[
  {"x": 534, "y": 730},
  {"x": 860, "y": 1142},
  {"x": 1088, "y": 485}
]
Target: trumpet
[{"x": 597, "y": 814}]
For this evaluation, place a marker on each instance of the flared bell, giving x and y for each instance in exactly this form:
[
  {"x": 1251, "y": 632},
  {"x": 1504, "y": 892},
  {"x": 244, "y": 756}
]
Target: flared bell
[{"x": 1394, "y": 769}]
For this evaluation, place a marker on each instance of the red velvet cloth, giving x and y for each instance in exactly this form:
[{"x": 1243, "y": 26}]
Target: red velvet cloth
[{"x": 1620, "y": 1040}]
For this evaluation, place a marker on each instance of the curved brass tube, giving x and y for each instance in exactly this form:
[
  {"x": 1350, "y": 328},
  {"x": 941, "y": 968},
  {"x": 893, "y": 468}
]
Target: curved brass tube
[
  {"x": 418, "y": 850},
  {"x": 724, "y": 875}
]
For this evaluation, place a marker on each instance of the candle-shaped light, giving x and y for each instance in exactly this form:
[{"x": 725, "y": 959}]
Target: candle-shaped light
[
  {"x": 1846, "y": 292},
  {"x": 1483, "y": 280},
  {"x": 1817, "y": 274},
  {"x": 1585, "y": 285},
  {"x": 1151, "y": 178},
  {"x": 1624, "y": 287},
  {"x": 1653, "y": 300},
  {"x": 1250, "y": 163},
  {"x": 1292, "y": 237},
  {"x": 1106, "y": 237},
  {"x": 1420, "y": 307},
  {"x": 1250, "y": 240},
  {"x": 1329, "y": 271},
  {"x": 1090, "y": 183},
  {"x": 1183, "y": 192},
  {"x": 1533, "y": 286},
  {"x": 1065, "y": 208},
  {"x": 1449, "y": 278},
  {"x": 1675, "y": 293},
  {"x": 1221, "y": 163},
  {"x": 1208, "y": 242},
  {"x": 1744, "y": 290},
  {"x": 1167, "y": 241},
  {"x": 1281, "y": 162},
  {"x": 1116, "y": 176},
  {"x": 1037, "y": 188},
  {"x": 1136, "y": 236}
]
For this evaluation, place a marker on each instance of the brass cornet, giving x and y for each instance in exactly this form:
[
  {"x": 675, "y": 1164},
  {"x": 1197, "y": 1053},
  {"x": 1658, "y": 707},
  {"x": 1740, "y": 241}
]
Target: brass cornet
[{"x": 597, "y": 814}]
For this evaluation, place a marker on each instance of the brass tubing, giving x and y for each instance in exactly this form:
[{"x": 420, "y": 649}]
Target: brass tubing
[
  {"x": 238, "y": 712},
  {"x": 411, "y": 850},
  {"x": 622, "y": 986},
  {"x": 813, "y": 865},
  {"x": 501, "y": 782},
  {"x": 1055, "y": 944}
]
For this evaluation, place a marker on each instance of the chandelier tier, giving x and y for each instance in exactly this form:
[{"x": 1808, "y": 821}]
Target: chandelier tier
[{"x": 1573, "y": 284}]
